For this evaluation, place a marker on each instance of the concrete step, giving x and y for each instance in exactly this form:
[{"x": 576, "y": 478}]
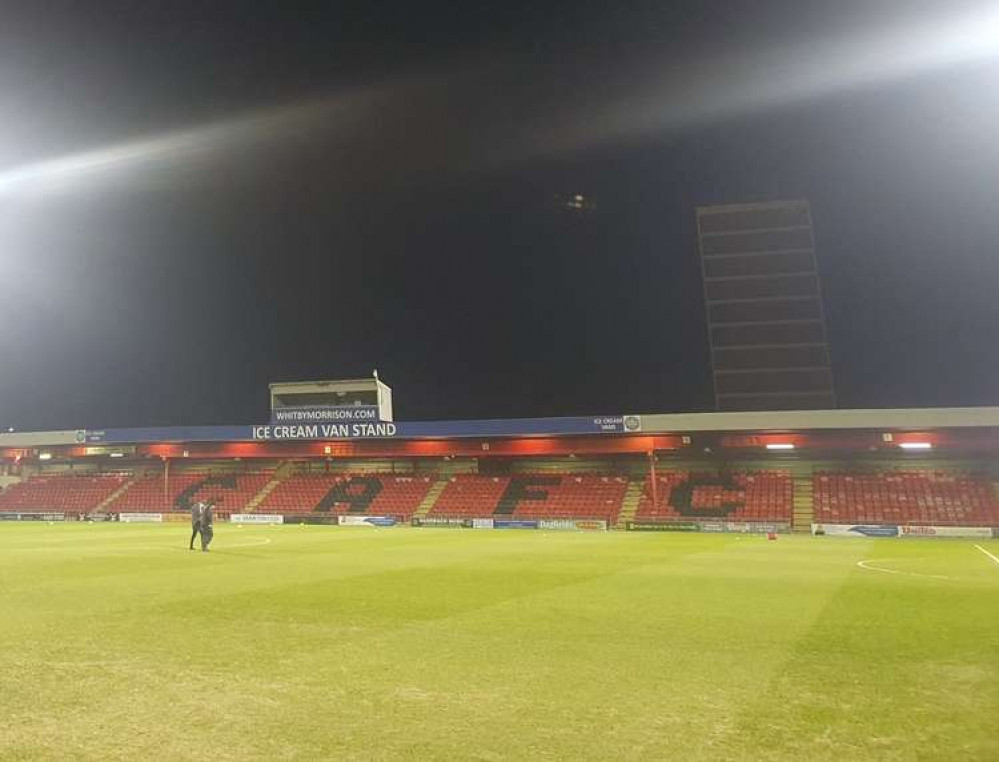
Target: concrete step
[
  {"x": 427, "y": 504},
  {"x": 629, "y": 506},
  {"x": 264, "y": 492},
  {"x": 102, "y": 508}
]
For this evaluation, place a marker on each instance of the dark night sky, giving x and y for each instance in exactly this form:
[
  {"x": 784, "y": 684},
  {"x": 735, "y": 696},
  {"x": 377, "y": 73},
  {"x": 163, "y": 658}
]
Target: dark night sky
[{"x": 402, "y": 219}]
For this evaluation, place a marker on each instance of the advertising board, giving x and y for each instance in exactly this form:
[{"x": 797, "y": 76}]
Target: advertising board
[
  {"x": 441, "y": 521},
  {"x": 875, "y": 530},
  {"x": 577, "y": 525},
  {"x": 655, "y": 526},
  {"x": 290, "y": 424},
  {"x": 367, "y": 521},
  {"x": 855, "y": 530},
  {"x": 756, "y": 527},
  {"x": 326, "y": 414},
  {"x": 514, "y": 524},
  {"x": 932, "y": 531},
  {"x": 256, "y": 518},
  {"x": 32, "y": 516},
  {"x": 323, "y": 519}
]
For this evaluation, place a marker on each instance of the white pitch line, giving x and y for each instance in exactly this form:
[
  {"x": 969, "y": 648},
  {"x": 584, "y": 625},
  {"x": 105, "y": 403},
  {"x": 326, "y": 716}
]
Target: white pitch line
[
  {"x": 266, "y": 541},
  {"x": 864, "y": 565},
  {"x": 226, "y": 546},
  {"x": 987, "y": 553},
  {"x": 99, "y": 550}
]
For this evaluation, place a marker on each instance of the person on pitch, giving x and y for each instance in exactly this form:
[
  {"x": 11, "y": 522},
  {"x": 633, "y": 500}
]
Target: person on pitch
[
  {"x": 197, "y": 513},
  {"x": 207, "y": 525}
]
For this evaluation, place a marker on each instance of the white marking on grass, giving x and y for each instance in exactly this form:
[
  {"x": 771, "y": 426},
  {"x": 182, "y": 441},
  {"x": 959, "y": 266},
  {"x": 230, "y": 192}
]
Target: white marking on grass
[
  {"x": 987, "y": 553},
  {"x": 224, "y": 546},
  {"x": 866, "y": 565},
  {"x": 265, "y": 541}
]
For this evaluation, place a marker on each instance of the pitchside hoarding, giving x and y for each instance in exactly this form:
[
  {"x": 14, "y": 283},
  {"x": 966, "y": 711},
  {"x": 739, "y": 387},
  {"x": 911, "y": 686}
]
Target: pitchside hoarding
[
  {"x": 256, "y": 518},
  {"x": 367, "y": 521},
  {"x": 930, "y": 531},
  {"x": 880, "y": 530},
  {"x": 514, "y": 524},
  {"x": 739, "y": 527},
  {"x": 855, "y": 530},
  {"x": 441, "y": 521},
  {"x": 655, "y": 526},
  {"x": 576, "y": 525},
  {"x": 5, "y": 516},
  {"x": 323, "y": 519}
]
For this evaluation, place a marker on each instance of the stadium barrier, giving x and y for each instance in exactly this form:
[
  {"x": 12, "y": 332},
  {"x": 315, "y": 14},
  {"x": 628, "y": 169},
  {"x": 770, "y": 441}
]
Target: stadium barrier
[
  {"x": 441, "y": 521},
  {"x": 317, "y": 519},
  {"x": 256, "y": 518},
  {"x": 739, "y": 527},
  {"x": 891, "y": 530},
  {"x": 577, "y": 525},
  {"x": 661, "y": 526},
  {"x": 36, "y": 516},
  {"x": 367, "y": 521},
  {"x": 453, "y": 522},
  {"x": 932, "y": 531},
  {"x": 181, "y": 517},
  {"x": 514, "y": 524},
  {"x": 140, "y": 518}
]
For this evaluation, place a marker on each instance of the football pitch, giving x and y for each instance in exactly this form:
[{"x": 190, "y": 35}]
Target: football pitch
[{"x": 292, "y": 642}]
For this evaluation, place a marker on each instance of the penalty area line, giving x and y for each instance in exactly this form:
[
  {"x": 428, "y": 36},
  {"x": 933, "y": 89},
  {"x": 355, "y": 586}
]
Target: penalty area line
[
  {"x": 865, "y": 565},
  {"x": 987, "y": 553},
  {"x": 265, "y": 541}
]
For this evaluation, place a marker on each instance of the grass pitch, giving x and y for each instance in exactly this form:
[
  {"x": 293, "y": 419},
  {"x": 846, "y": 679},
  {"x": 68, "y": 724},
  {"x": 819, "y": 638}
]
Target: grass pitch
[{"x": 327, "y": 643}]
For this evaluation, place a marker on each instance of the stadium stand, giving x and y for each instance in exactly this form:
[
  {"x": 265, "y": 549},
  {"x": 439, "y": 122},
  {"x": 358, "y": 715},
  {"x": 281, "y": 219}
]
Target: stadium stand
[
  {"x": 905, "y": 497},
  {"x": 736, "y": 496},
  {"x": 470, "y": 495},
  {"x": 362, "y": 494},
  {"x": 578, "y": 496},
  {"x": 533, "y": 496},
  {"x": 70, "y": 493},
  {"x": 232, "y": 491}
]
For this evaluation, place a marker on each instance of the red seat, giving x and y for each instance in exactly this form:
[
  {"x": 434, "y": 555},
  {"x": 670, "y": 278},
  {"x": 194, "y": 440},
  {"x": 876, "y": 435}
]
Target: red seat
[{"x": 912, "y": 496}]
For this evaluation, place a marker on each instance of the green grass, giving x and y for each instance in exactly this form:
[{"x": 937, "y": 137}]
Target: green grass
[{"x": 325, "y": 643}]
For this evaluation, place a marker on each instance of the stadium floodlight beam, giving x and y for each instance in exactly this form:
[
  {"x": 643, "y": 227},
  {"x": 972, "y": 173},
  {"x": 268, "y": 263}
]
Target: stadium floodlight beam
[
  {"x": 915, "y": 445},
  {"x": 186, "y": 147},
  {"x": 780, "y": 446}
]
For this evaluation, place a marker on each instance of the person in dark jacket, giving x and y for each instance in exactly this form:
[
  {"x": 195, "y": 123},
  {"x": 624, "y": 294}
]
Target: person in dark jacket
[
  {"x": 207, "y": 525},
  {"x": 197, "y": 514}
]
